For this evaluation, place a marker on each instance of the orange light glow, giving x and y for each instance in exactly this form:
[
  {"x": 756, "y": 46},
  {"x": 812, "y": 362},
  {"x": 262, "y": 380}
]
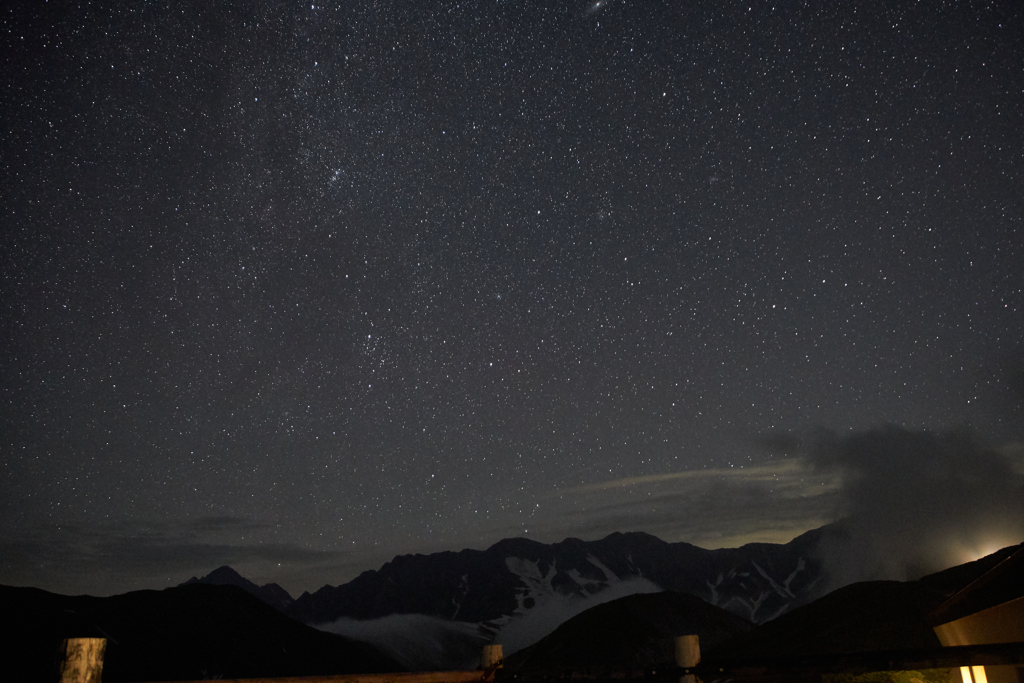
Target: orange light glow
[
  {"x": 981, "y": 548},
  {"x": 973, "y": 674}
]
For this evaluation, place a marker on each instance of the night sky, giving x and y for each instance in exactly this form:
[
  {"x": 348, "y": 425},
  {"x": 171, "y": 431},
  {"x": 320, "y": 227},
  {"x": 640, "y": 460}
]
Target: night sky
[{"x": 300, "y": 287}]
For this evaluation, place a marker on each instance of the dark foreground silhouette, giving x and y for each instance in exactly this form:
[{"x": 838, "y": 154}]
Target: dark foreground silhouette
[{"x": 183, "y": 633}]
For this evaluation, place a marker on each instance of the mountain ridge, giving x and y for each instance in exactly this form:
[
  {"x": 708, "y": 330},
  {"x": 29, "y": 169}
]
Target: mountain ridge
[
  {"x": 756, "y": 581},
  {"x": 270, "y": 593}
]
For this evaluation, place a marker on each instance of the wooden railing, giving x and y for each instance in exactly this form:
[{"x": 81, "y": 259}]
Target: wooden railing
[
  {"x": 424, "y": 677},
  {"x": 83, "y": 663}
]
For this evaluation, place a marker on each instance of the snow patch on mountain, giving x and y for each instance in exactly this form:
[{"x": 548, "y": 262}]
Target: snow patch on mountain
[
  {"x": 514, "y": 578},
  {"x": 771, "y": 582},
  {"x": 752, "y": 592},
  {"x": 461, "y": 592},
  {"x": 747, "y": 606},
  {"x": 586, "y": 586},
  {"x": 800, "y": 565},
  {"x": 609, "y": 575},
  {"x": 541, "y": 608},
  {"x": 537, "y": 588}
]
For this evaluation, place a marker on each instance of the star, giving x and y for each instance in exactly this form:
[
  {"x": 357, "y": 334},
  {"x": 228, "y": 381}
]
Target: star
[{"x": 269, "y": 301}]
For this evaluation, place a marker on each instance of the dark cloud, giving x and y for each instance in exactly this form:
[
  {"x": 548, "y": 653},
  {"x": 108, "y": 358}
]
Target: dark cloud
[{"x": 917, "y": 501}]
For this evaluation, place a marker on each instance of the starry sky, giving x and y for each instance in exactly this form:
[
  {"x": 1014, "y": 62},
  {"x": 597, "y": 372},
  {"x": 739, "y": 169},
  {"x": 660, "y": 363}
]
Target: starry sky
[{"x": 300, "y": 287}]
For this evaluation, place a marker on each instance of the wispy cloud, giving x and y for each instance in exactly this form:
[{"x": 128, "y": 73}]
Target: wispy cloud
[
  {"x": 783, "y": 472},
  {"x": 117, "y": 557},
  {"x": 772, "y": 502}
]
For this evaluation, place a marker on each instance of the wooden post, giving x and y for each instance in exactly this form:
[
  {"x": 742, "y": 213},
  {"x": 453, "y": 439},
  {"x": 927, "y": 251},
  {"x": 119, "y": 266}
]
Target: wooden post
[
  {"x": 491, "y": 657},
  {"x": 688, "y": 656},
  {"x": 82, "y": 660}
]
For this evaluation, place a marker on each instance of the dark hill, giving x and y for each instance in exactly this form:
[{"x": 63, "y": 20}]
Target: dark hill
[
  {"x": 183, "y": 633},
  {"x": 861, "y": 617},
  {"x": 1002, "y": 580},
  {"x": 633, "y": 632},
  {"x": 956, "y": 578},
  {"x": 270, "y": 593}
]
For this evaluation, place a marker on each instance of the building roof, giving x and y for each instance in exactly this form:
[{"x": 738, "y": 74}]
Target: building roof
[{"x": 1001, "y": 584}]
